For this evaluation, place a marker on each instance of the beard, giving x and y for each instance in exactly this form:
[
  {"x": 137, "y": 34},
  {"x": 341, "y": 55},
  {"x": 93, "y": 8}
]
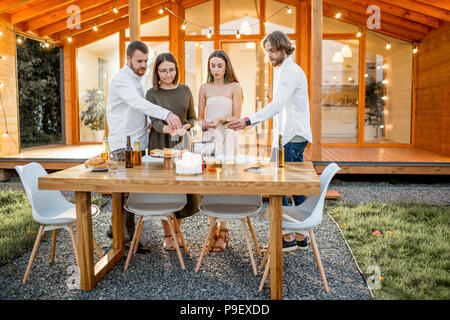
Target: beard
[
  {"x": 139, "y": 71},
  {"x": 276, "y": 62}
]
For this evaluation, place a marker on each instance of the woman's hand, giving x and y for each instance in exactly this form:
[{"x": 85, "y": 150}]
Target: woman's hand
[
  {"x": 187, "y": 126},
  {"x": 167, "y": 129}
]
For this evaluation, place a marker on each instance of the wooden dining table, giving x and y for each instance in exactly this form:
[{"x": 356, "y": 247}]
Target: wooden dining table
[{"x": 294, "y": 178}]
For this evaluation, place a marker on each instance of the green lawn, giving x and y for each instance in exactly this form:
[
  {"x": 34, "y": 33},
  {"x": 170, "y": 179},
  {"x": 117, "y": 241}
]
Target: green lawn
[
  {"x": 18, "y": 230},
  {"x": 412, "y": 249}
]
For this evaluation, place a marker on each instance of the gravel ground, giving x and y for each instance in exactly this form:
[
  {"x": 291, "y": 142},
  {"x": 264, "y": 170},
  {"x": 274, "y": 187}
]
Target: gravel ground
[{"x": 226, "y": 275}]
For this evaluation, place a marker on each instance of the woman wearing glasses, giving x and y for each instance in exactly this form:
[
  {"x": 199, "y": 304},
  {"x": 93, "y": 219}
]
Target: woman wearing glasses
[{"x": 177, "y": 98}]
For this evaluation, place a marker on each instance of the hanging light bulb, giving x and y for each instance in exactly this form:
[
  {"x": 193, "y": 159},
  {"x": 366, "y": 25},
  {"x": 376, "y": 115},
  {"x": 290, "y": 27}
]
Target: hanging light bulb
[
  {"x": 3, "y": 57},
  {"x": 415, "y": 49},
  {"x": 5, "y": 135},
  {"x": 1, "y": 33},
  {"x": 238, "y": 35},
  {"x": 289, "y": 10},
  {"x": 338, "y": 58},
  {"x": 46, "y": 44},
  {"x": 338, "y": 15},
  {"x": 209, "y": 34},
  {"x": 19, "y": 40},
  {"x": 161, "y": 11},
  {"x": 183, "y": 27},
  {"x": 95, "y": 28},
  {"x": 115, "y": 9},
  {"x": 346, "y": 51},
  {"x": 69, "y": 39},
  {"x": 359, "y": 34},
  {"x": 266, "y": 23},
  {"x": 388, "y": 45}
]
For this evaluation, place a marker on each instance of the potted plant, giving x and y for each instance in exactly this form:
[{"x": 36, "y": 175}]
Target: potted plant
[
  {"x": 374, "y": 106},
  {"x": 94, "y": 115}
]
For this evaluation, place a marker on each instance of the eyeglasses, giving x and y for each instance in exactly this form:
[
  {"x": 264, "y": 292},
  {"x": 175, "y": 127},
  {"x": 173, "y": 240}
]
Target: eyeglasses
[{"x": 167, "y": 71}]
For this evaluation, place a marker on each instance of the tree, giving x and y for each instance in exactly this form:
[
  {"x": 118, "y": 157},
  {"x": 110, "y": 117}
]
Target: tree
[{"x": 39, "y": 94}]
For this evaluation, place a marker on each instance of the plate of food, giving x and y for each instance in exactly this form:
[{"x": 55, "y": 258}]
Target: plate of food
[
  {"x": 166, "y": 153},
  {"x": 96, "y": 163}
]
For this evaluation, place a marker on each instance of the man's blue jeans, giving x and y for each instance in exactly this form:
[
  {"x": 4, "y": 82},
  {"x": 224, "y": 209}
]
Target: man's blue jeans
[{"x": 293, "y": 152}]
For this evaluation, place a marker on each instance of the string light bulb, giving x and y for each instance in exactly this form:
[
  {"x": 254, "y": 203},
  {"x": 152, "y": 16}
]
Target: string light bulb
[
  {"x": 161, "y": 11},
  {"x": 289, "y": 10},
  {"x": 338, "y": 15},
  {"x": 415, "y": 49},
  {"x": 115, "y": 9},
  {"x": 3, "y": 57},
  {"x": 1, "y": 33},
  {"x": 388, "y": 45},
  {"x": 238, "y": 35},
  {"x": 95, "y": 28},
  {"x": 209, "y": 34},
  {"x": 19, "y": 40},
  {"x": 183, "y": 27},
  {"x": 359, "y": 34},
  {"x": 69, "y": 39},
  {"x": 46, "y": 44}
]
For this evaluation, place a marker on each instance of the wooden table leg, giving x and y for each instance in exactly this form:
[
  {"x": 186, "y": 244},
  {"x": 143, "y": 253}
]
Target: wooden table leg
[
  {"x": 117, "y": 211},
  {"x": 276, "y": 257},
  {"x": 85, "y": 243}
]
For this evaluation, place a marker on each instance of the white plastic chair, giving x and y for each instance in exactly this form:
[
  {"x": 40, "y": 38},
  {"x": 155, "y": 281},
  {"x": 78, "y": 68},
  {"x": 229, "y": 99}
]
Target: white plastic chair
[
  {"x": 230, "y": 207},
  {"x": 50, "y": 209},
  {"x": 155, "y": 206},
  {"x": 302, "y": 219}
]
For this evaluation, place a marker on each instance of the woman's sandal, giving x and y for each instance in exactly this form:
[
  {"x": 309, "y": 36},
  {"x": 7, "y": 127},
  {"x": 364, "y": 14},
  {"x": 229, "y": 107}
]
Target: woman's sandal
[
  {"x": 223, "y": 235},
  {"x": 171, "y": 247}
]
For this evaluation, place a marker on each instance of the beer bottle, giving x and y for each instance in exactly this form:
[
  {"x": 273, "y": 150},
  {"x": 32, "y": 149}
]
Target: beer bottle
[
  {"x": 280, "y": 152},
  {"x": 106, "y": 150},
  {"x": 128, "y": 154},
  {"x": 137, "y": 154}
]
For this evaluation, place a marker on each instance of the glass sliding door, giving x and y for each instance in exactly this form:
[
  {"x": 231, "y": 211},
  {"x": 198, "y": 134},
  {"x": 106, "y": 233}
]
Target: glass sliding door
[
  {"x": 340, "y": 89},
  {"x": 253, "y": 74},
  {"x": 388, "y": 97}
]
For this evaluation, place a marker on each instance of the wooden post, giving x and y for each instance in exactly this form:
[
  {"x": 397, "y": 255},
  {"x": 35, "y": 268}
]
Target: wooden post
[
  {"x": 316, "y": 78},
  {"x": 135, "y": 20}
]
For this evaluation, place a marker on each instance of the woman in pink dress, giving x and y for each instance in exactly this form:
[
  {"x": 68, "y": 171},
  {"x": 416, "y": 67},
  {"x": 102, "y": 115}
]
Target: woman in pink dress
[{"x": 220, "y": 101}]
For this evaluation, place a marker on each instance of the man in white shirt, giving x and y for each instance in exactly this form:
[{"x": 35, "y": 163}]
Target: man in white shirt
[
  {"x": 128, "y": 111},
  {"x": 290, "y": 112}
]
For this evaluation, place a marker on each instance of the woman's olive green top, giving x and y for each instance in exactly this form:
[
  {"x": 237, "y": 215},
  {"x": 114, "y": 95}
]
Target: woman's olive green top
[{"x": 178, "y": 101}]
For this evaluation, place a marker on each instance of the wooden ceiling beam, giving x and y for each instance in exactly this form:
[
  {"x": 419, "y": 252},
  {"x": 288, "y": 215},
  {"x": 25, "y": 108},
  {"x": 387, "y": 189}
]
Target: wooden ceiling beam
[
  {"x": 417, "y": 6},
  {"x": 386, "y": 28},
  {"x": 60, "y": 13},
  {"x": 110, "y": 28},
  {"x": 437, "y": 3},
  {"x": 86, "y": 16},
  {"x": 385, "y": 16},
  {"x": 400, "y": 12},
  {"x": 191, "y": 3},
  {"x": 6, "y": 5},
  {"x": 103, "y": 20},
  {"x": 37, "y": 9}
]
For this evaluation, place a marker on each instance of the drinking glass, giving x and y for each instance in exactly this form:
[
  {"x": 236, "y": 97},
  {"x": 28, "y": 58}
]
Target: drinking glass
[{"x": 113, "y": 163}]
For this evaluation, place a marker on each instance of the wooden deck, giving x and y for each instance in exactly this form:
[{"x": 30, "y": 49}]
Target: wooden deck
[{"x": 352, "y": 160}]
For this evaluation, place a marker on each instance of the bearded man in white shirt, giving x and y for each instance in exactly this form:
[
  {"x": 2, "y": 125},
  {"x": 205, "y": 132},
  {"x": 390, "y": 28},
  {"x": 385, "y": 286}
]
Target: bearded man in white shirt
[
  {"x": 290, "y": 111},
  {"x": 128, "y": 113}
]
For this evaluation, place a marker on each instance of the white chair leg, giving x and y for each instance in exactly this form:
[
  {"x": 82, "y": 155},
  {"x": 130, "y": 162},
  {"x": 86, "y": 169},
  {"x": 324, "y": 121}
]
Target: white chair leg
[
  {"x": 205, "y": 244},
  {"x": 318, "y": 260},
  {"x": 178, "y": 229},
  {"x": 177, "y": 245},
  {"x": 133, "y": 241},
  {"x": 266, "y": 273},
  {"x": 55, "y": 234},
  {"x": 249, "y": 246},
  {"x": 97, "y": 248},
  {"x": 258, "y": 250},
  {"x": 33, "y": 254},
  {"x": 139, "y": 227},
  {"x": 266, "y": 255},
  {"x": 74, "y": 243}
]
